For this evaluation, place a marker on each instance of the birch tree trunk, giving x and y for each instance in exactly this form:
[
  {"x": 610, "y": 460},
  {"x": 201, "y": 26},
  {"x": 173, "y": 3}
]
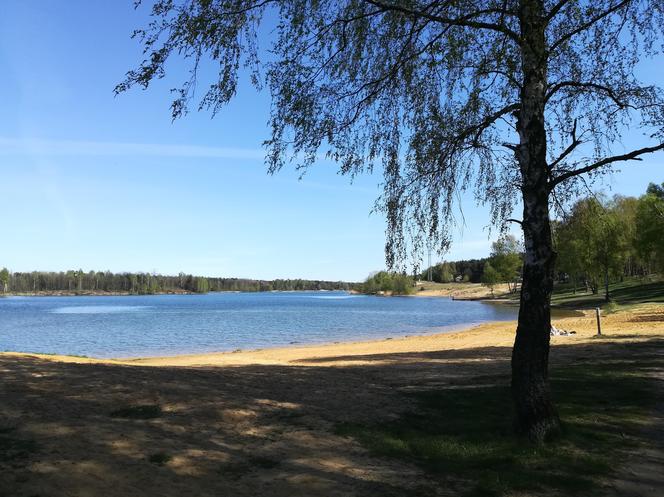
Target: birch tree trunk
[{"x": 535, "y": 415}]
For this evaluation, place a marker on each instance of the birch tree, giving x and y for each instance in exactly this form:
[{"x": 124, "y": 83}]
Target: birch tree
[{"x": 517, "y": 101}]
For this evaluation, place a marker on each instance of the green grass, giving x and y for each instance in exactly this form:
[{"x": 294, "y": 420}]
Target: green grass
[
  {"x": 147, "y": 411},
  {"x": 628, "y": 292},
  {"x": 466, "y": 435}
]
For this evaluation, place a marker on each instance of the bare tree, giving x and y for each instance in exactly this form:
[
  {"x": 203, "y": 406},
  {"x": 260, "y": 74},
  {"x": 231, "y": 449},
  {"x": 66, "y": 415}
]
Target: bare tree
[{"x": 512, "y": 99}]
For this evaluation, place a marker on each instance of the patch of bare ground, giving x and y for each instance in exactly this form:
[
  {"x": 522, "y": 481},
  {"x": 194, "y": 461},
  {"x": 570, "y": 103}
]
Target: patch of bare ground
[
  {"x": 641, "y": 474},
  {"x": 460, "y": 291}
]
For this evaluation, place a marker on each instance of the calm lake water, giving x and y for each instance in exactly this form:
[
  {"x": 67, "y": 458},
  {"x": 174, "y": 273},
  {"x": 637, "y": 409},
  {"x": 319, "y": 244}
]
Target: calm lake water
[{"x": 154, "y": 325}]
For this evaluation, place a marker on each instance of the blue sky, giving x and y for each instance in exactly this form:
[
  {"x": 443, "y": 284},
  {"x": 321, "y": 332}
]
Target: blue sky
[{"x": 95, "y": 181}]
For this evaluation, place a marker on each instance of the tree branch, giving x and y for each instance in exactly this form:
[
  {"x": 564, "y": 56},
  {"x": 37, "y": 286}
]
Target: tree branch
[
  {"x": 555, "y": 9},
  {"x": 575, "y": 143},
  {"x": 588, "y": 24},
  {"x": 488, "y": 121},
  {"x": 634, "y": 155},
  {"x": 464, "y": 21},
  {"x": 586, "y": 85}
]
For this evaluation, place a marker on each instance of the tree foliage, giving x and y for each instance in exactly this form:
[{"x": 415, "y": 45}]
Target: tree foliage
[
  {"x": 506, "y": 260},
  {"x": 4, "y": 279},
  {"x": 428, "y": 91},
  {"x": 388, "y": 283},
  {"x": 146, "y": 283},
  {"x": 469, "y": 270},
  {"x": 490, "y": 277},
  {"x": 650, "y": 226},
  {"x": 443, "y": 272},
  {"x": 598, "y": 241}
]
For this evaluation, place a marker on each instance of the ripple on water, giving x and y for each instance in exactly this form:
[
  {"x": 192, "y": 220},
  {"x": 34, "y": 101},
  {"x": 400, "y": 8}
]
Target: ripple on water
[
  {"x": 152, "y": 325},
  {"x": 332, "y": 297},
  {"x": 99, "y": 309}
]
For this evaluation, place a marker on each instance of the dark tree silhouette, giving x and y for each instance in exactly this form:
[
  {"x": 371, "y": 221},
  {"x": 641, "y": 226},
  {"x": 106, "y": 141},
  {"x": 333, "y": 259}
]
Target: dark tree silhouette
[{"x": 513, "y": 99}]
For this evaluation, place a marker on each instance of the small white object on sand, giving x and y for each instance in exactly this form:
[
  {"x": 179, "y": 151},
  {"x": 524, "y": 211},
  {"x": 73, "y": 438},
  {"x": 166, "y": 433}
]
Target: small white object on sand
[{"x": 557, "y": 332}]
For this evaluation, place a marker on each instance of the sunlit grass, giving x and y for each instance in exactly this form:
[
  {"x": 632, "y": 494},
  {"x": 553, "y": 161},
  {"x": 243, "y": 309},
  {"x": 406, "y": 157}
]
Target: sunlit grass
[{"x": 626, "y": 293}]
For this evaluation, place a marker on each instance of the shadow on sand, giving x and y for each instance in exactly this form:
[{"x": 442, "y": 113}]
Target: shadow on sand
[{"x": 89, "y": 429}]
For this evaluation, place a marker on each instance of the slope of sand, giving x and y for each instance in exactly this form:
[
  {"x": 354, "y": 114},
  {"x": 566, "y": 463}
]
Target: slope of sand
[
  {"x": 264, "y": 424},
  {"x": 460, "y": 291},
  {"x": 638, "y": 323}
]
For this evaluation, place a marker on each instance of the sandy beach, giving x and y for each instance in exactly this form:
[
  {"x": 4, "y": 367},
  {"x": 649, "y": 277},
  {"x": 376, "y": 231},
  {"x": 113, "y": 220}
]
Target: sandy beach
[
  {"x": 460, "y": 291},
  {"x": 259, "y": 422},
  {"x": 638, "y": 323}
]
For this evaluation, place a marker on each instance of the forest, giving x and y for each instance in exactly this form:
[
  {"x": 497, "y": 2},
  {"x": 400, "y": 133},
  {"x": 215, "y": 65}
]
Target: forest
[
  {"x": 605, "y": 239},
  {"x": 102, "y": 282},
  {"x": 599, "y": 240}
]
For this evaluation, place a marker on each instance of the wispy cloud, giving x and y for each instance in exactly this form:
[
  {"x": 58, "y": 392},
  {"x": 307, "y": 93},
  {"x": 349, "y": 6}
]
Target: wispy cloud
[{"x": 45, "y": 147}]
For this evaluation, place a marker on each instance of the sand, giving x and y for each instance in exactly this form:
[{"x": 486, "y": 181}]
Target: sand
[
  {"x": 460, "y": 291},
  {"x": 256, "y": 422}
]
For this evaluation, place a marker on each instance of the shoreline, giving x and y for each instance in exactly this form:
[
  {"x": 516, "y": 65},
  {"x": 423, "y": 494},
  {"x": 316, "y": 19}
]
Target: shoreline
[
  {"x": 263, "y": 356},
  {"x": 294, "y": 346},
  {"x": 642, "y": 322}
]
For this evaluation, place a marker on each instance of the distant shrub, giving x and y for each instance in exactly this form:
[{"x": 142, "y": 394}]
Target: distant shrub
[
  {"x": 611, "y": 307},
  {"x": 490, "y": 277},
  {"x": 387, "y": 282}
]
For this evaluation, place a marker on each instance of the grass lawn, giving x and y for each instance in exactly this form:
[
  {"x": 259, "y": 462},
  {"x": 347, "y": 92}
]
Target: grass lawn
[
  {"x": 628, "y": 292},
  {"x": 465, "y": 435}
]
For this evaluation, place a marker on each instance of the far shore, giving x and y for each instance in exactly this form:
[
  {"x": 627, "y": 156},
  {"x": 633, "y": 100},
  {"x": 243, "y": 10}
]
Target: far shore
[
  {"x": 101, "y": 293},
  {"x": 636, "y": 323},
  {"x": 456, "y": 291},
  {"x": 86, "y": 293}
]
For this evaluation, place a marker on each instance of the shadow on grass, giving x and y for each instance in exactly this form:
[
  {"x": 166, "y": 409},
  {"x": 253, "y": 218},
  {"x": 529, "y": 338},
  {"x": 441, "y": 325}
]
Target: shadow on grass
[
  {"x": 649, "y": 292},
  {"x": 628, "y": 292},
  {"x": 159, "y": 458},
  {"x": 466, "y": 434},
  {"x": 13, "y": 447},
  {"x": 442, "y": 417},
  {"x": 147, "y": 411},
  {"x": 239, "y": 468}
]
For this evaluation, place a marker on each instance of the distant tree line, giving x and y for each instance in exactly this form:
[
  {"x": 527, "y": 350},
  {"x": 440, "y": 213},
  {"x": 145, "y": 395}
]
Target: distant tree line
[
  {"x": 145, "y": 283},
  {"x": 504, "y": 261},
  {"x": 599, "y": 241},
  {"x": 605, "y": 239},
  {"x": 455, "y": 271}
]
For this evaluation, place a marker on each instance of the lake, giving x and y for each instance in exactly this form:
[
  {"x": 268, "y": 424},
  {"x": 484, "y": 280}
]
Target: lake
[{"x": 156, "y": 325}]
